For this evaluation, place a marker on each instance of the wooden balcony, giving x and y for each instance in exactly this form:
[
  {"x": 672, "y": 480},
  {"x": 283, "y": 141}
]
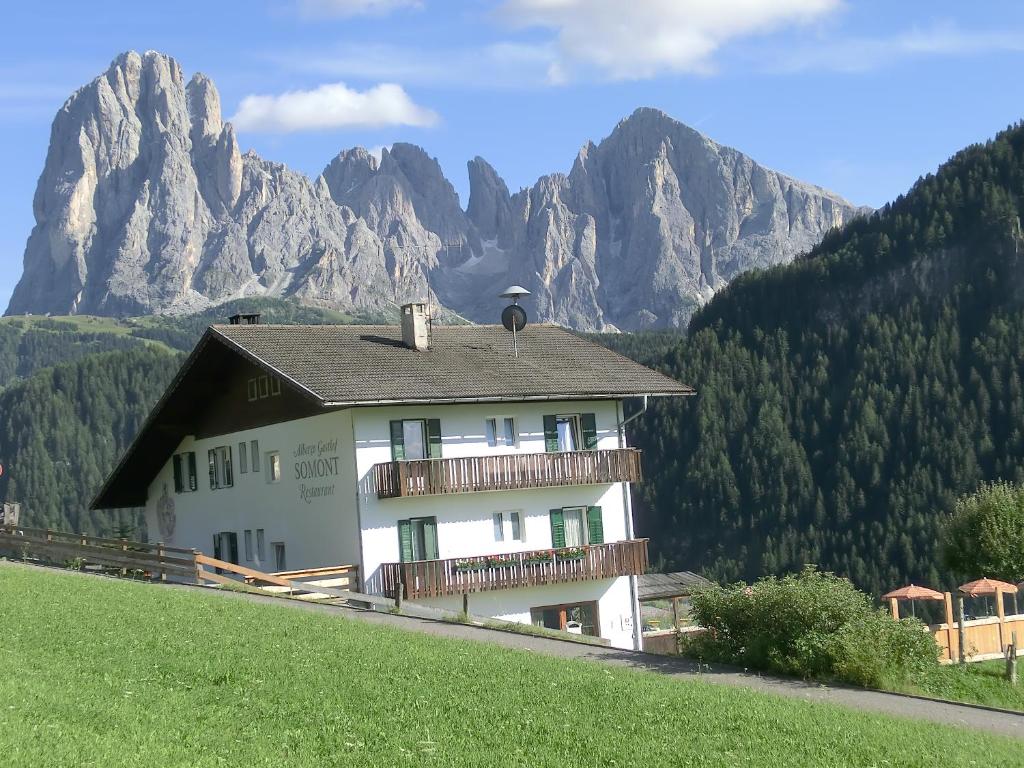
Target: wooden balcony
[
  {"x": 483, "y": 573},
  {"x": 505, "y": 472}
]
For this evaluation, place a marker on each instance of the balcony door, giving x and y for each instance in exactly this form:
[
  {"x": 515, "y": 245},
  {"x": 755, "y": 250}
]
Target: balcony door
[{"x": 414, "y": 439}]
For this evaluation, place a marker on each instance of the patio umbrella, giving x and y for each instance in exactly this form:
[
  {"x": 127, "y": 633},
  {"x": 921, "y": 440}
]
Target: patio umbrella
[
  {"x": 912, "y": 592},
  {"x": 983, "y": 586}
]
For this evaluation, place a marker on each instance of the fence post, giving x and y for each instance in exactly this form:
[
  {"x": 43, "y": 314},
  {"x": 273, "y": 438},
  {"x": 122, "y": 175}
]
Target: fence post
[
  {"x": 124, "y": 548},
  {"x": 160, "y": 560},
  {"x": 465, "y": 604},
  {"x": 398, "y": 594},
  {"x": 961, "y": 632},
  {"x": 1011, "y": 660}
]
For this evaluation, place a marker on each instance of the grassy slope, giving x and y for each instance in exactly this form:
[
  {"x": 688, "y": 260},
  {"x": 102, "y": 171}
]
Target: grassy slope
[
  {"x": 979, "y": 683},
  {"x": 99, "y": 672}
]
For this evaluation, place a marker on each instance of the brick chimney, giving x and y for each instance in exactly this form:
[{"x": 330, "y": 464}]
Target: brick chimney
[{"x": 415, "y": 327}]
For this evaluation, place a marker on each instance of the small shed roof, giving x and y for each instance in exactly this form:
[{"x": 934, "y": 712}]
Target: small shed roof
[{"x": 660, "y": 586}]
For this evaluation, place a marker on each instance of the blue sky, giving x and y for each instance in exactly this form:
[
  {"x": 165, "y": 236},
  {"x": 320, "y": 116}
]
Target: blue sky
[{"x": 861, "y": 98}]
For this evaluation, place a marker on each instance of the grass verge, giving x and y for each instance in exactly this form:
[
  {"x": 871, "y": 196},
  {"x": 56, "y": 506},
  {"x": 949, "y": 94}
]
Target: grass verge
[
  {"x": 112, "y": 673},
  {"x": 978, "y": 683}
]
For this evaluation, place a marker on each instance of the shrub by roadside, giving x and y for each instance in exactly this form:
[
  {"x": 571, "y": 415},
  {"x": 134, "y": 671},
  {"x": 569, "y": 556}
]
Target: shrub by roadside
[{"x": 812, "y": 625}]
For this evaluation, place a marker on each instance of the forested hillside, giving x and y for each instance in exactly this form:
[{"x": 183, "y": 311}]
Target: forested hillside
[
  {"x": 845, "y": 400},
  {"x": 63, "y": 427}
]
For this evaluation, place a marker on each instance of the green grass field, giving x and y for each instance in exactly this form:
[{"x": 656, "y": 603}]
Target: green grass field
[
  {"x": 98, "y": 672},
  {"x": 978, "y": 683}
]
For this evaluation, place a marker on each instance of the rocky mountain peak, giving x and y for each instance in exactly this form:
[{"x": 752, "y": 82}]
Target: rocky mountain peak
[{"x": 146, "y": 204}]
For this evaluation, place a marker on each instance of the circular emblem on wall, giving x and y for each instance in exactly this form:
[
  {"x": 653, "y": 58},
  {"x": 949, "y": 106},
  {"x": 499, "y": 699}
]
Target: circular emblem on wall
[{"x": 165, "y": 518}]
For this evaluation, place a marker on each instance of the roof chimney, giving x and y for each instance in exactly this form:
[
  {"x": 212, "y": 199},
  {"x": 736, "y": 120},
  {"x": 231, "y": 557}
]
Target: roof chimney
[
  {"x": 415, "y": 328},
  {"x": 252, "y": 318}
]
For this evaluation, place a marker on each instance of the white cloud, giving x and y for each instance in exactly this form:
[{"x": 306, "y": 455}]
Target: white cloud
[
  {"x": 333, "y": 105},
  {"x": 346, "y": 8},
  {"x": 644, "y": 38},
  {"x": 863, "y": 54},
  {"x": 496, "y": 65}
]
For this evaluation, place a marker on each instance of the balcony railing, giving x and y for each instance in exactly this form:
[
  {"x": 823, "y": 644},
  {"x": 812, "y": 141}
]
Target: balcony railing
[
  {"x": 482, "y": 573},
  {"x": 504, "y": 472}
]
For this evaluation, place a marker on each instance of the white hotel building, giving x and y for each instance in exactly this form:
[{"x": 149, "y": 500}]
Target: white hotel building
[{"x": 435, "y": 460}]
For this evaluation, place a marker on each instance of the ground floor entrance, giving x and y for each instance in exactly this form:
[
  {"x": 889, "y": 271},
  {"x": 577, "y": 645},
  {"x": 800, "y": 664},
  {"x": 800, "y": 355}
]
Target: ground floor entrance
[{"x": 578, "y": 618}]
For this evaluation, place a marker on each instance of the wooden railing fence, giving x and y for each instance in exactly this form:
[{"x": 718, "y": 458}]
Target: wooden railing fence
[
  {"x": 510, "y": 471},
  {"x": 456, "y": 576},
  {"x": 152, "y": 560}
]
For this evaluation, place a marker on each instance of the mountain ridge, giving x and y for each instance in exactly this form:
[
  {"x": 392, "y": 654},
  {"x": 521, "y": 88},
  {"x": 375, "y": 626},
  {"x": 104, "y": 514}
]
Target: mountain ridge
[{"x": 147, "y": 205}]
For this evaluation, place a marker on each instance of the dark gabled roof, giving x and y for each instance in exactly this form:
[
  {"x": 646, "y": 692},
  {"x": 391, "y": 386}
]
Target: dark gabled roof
[
  {"x": 326, "y": 367},
  {"x": 357, "y": 364}
]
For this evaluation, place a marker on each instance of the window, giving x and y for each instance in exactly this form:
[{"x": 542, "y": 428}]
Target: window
[
  {"x": 273, "y": 466},
  {"x": 417, "y": 539},
  {"x": 185, "y": 479},
  {"x": 225, "y": 546},
  {"x": 248, "y": 545},
  {"x": 501, "y": 430},
  {"x": 220, "y": 467},
  {"x": 254, "y": 451},
  {"x": 280, "y": 563},
  {"x": 499, "y": 526},
  {"x": 570, "y": 432},
  {"x": 261, "y": 546},
  {"x": 517, "y": 525},
  {"x": 579, "y": 618},
  {"x": 261, "y": 387},
  {"x": 576, "y": 526},
  {"x": 243, "y": 459},
  {"x": 413, "y": 439}
]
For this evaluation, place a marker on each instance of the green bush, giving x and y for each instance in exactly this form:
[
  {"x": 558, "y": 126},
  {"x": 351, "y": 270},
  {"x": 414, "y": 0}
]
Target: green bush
[
  {"x": 985, "y": 534},
  {"x": 812, "y": 624}
]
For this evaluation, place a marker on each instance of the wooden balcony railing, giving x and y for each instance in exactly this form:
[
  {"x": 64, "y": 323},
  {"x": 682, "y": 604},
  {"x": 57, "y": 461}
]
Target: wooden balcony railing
[
  {"x": 482, "y": 573},
  {"x": 504, "y": 472}
]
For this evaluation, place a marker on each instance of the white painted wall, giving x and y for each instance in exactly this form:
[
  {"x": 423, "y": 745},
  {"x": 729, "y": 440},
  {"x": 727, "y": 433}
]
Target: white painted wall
[
  {"x": 325, "y": 530},
  {"x": 465, "y": 522},
  {"x": 614, "y": 611},
  {"x": 316, "y": 531}
]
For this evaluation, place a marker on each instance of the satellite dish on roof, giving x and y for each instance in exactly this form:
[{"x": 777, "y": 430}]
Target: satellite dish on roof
[{"x": 513, "y": 317}]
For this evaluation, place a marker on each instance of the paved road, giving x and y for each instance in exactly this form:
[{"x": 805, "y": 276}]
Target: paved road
[{"x": 1004, "y": 723}]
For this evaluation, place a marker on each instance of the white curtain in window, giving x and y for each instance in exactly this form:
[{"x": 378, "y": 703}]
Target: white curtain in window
[
  {"x": 573, "y": 527},
  {"x": 566, "y": 438},
  {"x": 415, "y": 442}
]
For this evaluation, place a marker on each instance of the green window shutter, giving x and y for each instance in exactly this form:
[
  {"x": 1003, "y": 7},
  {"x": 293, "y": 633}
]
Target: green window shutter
[
  {"x": 430, "y": 537},
  {"x": 557, "y": 528},
  {"x": 233, "y": 547},
  {"x": 405, "y": 540},
  {"x": 433, "y": 438},
  {"x": 216, "y": 547},
  {"x": 179, "y": 486},
  {"x": 193, "y": 482},
  {"x": 213, "y": 469},
  {"x": 550, "y": 434},
  {"x": 595, "y": 525},
  {"x": 588, "y": 426},
  {"x": 397, "y": 441}
]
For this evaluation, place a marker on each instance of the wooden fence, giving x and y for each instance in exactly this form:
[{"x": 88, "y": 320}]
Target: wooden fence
[{"x": 155, "y": 561}]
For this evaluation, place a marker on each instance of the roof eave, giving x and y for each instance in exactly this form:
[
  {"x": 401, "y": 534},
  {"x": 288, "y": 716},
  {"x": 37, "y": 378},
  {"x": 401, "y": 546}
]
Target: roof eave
[{"x": 503, "y": 399}]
